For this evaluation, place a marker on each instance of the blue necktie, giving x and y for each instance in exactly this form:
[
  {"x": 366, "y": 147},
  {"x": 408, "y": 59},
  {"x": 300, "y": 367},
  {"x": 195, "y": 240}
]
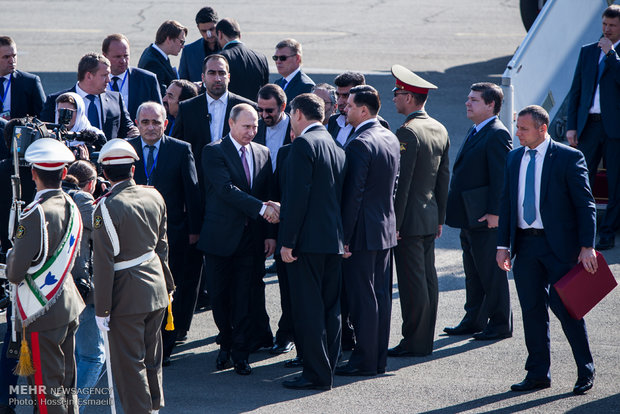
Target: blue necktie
[
  {"x": 601, "y": 68},
  {"x": 471, "y": 134},
  {"x": 529, "y": 198},
  {"x": 93, "y": 116},
  {"x": 283, "y": 83}
]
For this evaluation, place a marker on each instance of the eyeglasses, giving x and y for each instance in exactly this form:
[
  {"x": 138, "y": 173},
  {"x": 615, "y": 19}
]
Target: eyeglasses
[
  {"x": 281, "y": 58},
  {"x": 181, "y": 41},
  {"x": 267, "y": 110}
]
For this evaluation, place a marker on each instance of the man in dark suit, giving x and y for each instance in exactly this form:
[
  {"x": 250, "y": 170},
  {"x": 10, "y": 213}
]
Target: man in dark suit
[
  {"x": 21, "y": 93},
  {"x": 179, "y": 90},
  {"x": 135, "y": 85},
  {"x": 479, "y": 166},
  {"x": 105, "y": 110},
  {"x": 420, "y": 206},
  {"x": 169, "y": 40},
  {"x": 369, "y": 227},
  {"x": 194, "y": 53},
  {"x": 312, "y": 241},
  {"x": 548, "y": 219},
  {"x": 288, "y": 58},
  {"x": 594, "y": 116},
  {"x": 249, "y": 69},
  {"x": 168, "y": 165},
  {"x": 204, "y": 119},
  {"x": 237, "y": 175}
]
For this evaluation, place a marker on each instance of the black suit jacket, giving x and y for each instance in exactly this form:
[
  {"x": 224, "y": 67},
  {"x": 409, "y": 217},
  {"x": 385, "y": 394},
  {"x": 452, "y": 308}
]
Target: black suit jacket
[
  {"x": 333, "y": 128},
  {"x": 249, "y": 70},
  {"x": 567, "y": 208},
  {"x": 155, "y": 62},
  {"x": 116, "y": 120},
  {"x": 310, "y": 220},
  {"x": 368, "y": 217},
  {"x": 301, "y": 83},
  {"x": 479, "y": 163},
  {"x": 230, "y": 203},
  {"x": 583, "y": 88},
  {"x": 175, "y": 177},
  {"x": 143, "y": 87},
  {"x": 27, "y": 96}
]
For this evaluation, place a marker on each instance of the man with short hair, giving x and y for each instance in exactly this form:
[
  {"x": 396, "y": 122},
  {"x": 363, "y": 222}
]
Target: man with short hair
[
  {"x": 473, "y": 206},
  {"x": 169, "y": 40},
  {"x": 327, "y": 93},
  {"x": 134, "y": 84},
  {"x": 288, "y": 59},
  {"x": 548, "y": 222},
  {"x": 194, "y": 53},
  {"x": 369, "y": 228},
  {"x": 593, "y": 123},
  {"x": 105, "y": 109},
  {"x": 249, "y": 70},
  {"x": 179, "y": 90},
  {"x": 21, "y": 93}
]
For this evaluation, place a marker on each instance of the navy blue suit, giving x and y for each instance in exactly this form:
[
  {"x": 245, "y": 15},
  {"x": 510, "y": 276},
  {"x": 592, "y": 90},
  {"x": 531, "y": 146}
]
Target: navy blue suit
[
  {"x": 153, "y": 61},
  {"x": 301, "y": 83},
  {"x": 143, "y": 87},
  {"x": 568, "y": 214},
  {"x": 27, "y": 96},
  {"x": 192, "y": 58}
]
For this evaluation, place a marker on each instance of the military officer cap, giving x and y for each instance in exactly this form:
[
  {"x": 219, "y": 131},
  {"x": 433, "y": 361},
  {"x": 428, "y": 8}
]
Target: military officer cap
[
  {"x": 117, "y": 151},
  {"x": 48, "y": 154},
  {"x": 406, "y": 80}
]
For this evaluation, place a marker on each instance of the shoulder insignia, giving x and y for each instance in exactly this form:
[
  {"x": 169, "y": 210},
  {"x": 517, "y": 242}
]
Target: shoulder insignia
[
  {"x": 97, "y": 222},
  {"x": 29, "y": 208},
  {"x": 21, "y": 230},
  {"x": 403, "y": 146}
]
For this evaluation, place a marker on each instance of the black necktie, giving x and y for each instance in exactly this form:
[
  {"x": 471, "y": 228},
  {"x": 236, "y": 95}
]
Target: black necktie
[
  {"x": 149, "y": 162},
  {"x": 115, "y": 80},
  {"x": 93, "y": 116},
  {"x": 471, "y": 134}
]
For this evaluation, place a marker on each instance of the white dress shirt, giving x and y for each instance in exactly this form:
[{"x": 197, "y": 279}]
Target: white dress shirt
[
  {"x": 541, "y": 151},
  {"x": 123, "y": 85},
  {"x": 345, "y": 129},
  {"x": 87, "y": 103},
  {"x": 217, "y": 111},
  {"x": 274, "y": 138},
  {"x": 6, "y": 90}
]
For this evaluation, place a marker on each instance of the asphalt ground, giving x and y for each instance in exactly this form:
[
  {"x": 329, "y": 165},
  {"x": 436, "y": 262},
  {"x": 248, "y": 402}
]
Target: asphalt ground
[{"x": 451, "y": 44}]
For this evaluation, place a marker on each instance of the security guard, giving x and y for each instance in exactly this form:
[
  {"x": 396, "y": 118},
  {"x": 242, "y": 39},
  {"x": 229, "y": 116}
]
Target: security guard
[
  {"x": 48, "y": 303},
  {"x": 132, "y": 279}
]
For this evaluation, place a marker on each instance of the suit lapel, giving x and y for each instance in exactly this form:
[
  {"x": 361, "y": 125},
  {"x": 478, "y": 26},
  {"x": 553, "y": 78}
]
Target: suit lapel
[
  {"x": 458, "y": 155},
  {"x": 514, "y": 178},
  {"x": 231, "y": 102},
  {"x": 238, "y": 173},
  {"x": 104, "y": 105},
  {"x": 258, "y": 160},
  {"x": 359, "y": 131},
  {"x": 546, "y": 170},
  {"x": 287, "y": 138},
  {"x": 139, "y": 174},
  {"x": 162, "y": 158},
  {"x": 133, "y": 88},
  {"x": 164, "y": 61}
]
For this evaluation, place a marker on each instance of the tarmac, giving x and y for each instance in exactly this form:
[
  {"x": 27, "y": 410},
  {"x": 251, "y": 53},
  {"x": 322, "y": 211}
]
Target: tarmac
[{"x": 451, "y": 44}]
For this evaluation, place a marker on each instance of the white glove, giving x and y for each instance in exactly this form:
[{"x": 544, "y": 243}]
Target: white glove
[{"x": 103, "y": 323}]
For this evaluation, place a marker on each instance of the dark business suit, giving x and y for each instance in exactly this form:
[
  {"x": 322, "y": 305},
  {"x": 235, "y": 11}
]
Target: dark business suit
[
  {"x": 480, "y": 163},
  {"x": 116, "y": 120},
  {"x": 249, "y": 70},
  {"x": 261, "y": 133},
  {"x": 192, "y": 58},
  {"x": 301, "y": 83},
  {"x": 311, "y": 225},
  {"x": 369, "y": 226},
  {"x": 27, "y": 96},
  {"x": 143, "y": 87},
  {"x": 333, "y": 128},
  {"x": 153, "y": 61},
  {"x": 420, "y": 207},
  {"x": 568, "y": 214},
  {"x": 174, "y": 176},
  {"x": 598, "y": 138},
  {"x": 232, "y": 238}
]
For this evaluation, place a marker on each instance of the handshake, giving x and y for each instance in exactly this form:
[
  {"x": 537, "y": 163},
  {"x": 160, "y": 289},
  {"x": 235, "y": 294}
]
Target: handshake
[{"x": 272, "y": 212}]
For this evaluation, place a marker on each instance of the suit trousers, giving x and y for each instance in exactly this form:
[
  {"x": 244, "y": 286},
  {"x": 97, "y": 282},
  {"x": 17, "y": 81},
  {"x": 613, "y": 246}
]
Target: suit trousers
[
  {"x": 54, "y": 362},
  {"x": 136, "y": 355},
  {"x": 368, "y": 275},
  {"x": 315, "y": 281},
  {"x": 419, "y": 292},
  {"x": 487, "y": 303},
  {"x": 535, "y": 269},
  {"x": 286, "y": 330},
  {"x": 594, "y": 144},
  {"x": 260, "y": 335}
]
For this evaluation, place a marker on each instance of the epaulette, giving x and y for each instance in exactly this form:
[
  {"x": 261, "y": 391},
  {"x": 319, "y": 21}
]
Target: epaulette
[{"x": 29, "y": 209}]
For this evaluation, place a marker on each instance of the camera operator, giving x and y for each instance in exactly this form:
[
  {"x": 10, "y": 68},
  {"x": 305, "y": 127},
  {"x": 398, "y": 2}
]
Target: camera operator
[{"x": 79, "y": 132}]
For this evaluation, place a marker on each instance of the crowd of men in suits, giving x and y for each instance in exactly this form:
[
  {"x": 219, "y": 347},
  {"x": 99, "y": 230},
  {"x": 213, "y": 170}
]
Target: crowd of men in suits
[{"x": 312, "y": 175}]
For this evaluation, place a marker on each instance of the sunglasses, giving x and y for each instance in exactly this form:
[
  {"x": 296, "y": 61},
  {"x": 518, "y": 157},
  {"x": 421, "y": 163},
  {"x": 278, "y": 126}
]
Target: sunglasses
[{"x": 281, "y": 58}]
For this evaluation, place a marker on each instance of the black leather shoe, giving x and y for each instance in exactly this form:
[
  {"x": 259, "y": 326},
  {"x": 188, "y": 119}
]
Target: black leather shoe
[
  {"x": 294, "y": 363},
  {"x": 606, "y": 242},
  {"x": 300, "y": 383},
  {"x": 223, "y": 360},
  {"x": 530, "y": 384},
  {"x": 165, "y": 362},
  {"x": 347, "y": 371},
  {"x": 266, "y": 344},
  {"x": 282, "y": 347},
  {"x": 460, "y": 329},
  {"x": 399, "y": 352},
  {"x": 242, "y": 367},
  {"x": 491, "y": 336},
  {"x": 181, "y": 337},
  {"x": 583, "y": 385}
]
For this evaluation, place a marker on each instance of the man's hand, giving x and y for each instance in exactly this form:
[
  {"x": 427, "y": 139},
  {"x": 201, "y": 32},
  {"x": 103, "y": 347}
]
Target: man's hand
[
  {"x": 571, "y": 137},
  {"x": 287, "y": 255},
  {"x": 193, "y": 238},
  {"x": 491, "y": 219},
  {"x": 270, "y": 247},
  {"x": 503, "y": 259},
  {"x": 587, "y": 257},
  {"x": 103, "y": 323},
  {"x": 271, "y": 214},
  {"x": 275, "y": 205},
  {"x": 439, "y": 231},
  {"x": 346, "y": 253},
  {"x": 605, "y": 44}
]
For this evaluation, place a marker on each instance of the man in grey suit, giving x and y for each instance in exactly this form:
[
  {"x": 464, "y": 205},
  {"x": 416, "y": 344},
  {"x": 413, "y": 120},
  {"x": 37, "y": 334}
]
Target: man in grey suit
[
  {"x": 420, "y": 207},
  {"x": 195, "y": 53},
  {"x": 288, "y": 58}
]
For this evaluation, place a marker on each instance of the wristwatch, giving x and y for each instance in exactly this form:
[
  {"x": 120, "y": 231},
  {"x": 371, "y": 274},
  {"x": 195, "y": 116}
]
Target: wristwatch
[{"x": 611, "y": 52}]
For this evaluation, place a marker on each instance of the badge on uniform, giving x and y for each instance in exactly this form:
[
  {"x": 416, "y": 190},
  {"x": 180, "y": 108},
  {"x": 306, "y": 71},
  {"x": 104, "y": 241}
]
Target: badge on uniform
[
  {"x": 98, "y": 222},
  {"x": 403, "y": 146},
  {"x": 21, "y": 230}
]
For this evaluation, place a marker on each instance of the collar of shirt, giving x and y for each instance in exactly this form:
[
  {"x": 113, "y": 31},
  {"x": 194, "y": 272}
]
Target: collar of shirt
[
  {"x": 310, "y": 126},
  {"x": 223, "y": 99},
  {"x": 414, "y": 112},
  {"x": 541, "y": 149},
  {"x": 82, "y": 93},
  {"x": 120, "y": 78},
  {"x": 160, "y": 51},
  {"x": 7, "y": 76},
  {"x": 248, "y": 148},
  {"x": 368, "y": 121},
  {"x": 341, "y": 121},
  {"x": 292, "y": 75},
  {"x": 232, "y": 42},
  {"x": 483, "y": 123},
  {"x": 144, "y": 144},
  {"x": 39, "y": 194},
  {"x": 280, "y": 125}
]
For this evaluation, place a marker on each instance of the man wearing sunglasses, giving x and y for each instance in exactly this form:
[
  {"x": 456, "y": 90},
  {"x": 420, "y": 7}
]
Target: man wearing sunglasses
[{"x": 288, "y": 62}]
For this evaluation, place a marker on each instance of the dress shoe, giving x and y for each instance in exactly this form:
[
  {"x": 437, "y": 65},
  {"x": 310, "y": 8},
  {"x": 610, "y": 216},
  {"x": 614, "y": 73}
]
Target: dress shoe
[
  {"x": 271, "y": 269},
  {"x": 491, "y": 336},
  {"x": 294, "y": 363},
  {"x": 583, "y": 384},
  {"x": 181, "y": 337},
  {"x": 460, "y": 329},
  {"x": 300, "y": 383},
  {"x": 203, "y": 302},
  {"x": 348, "y": 371},
  {"x": 259, "y": 346},
  {"x": 242, "y": 367},
  {"x": 282, "y": 347},
  {"x": 165, "y": 362},
  {"x": 223, "y": 360},
  {"x": 606, "y": 242},
  {"x": 531, "y": 384},
  {"x": 399, "y": 351}
]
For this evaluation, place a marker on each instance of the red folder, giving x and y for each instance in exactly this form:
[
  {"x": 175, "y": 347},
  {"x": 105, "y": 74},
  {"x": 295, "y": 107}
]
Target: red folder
[{"x": 580, "y": 290}]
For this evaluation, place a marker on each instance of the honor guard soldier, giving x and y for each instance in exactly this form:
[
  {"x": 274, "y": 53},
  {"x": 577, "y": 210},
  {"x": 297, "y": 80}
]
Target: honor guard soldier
[
  {"x": 47, "y": 301},
  {"x": 132, "y": 278}
]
